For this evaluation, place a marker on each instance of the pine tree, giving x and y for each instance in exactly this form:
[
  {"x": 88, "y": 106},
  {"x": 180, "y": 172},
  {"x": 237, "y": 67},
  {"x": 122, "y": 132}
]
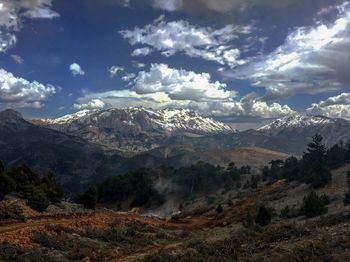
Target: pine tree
[
  {"x": 2, "y": 167},
  {"x": 347, "y": 195},
  {"x": 315, "y": 171},
  {"x": 89, "y": 198}
]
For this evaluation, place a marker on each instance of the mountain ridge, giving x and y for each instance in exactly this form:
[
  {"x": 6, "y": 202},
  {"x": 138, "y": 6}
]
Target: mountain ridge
[{"x": 135, "y": 129}]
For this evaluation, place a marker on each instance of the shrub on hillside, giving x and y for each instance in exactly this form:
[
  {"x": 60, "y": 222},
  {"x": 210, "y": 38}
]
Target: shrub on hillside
[
  {"x": 314, "y": 205},
  {"x": 264, "y": 216}
]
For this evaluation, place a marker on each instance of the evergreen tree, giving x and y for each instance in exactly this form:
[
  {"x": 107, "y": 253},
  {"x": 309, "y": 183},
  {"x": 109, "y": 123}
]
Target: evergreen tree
[
  {"x": 2, "y": 167},
  {"x": 89, "y": 198},
  {"x": 347, "y": 194},
  {"x": 315, "y": 170}
]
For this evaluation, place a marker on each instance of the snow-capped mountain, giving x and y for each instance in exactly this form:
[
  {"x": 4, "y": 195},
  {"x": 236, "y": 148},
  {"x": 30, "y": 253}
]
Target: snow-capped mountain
[
  {"x": 135, "y": 129},
  {"x": 299, "y": 126},
  {"x": 296, "y": 121}
]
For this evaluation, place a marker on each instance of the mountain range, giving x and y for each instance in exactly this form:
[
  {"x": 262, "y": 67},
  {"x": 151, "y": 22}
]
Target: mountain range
[
  {"x": 93, "y": 144},
  {"x": 134, "y": 129}
]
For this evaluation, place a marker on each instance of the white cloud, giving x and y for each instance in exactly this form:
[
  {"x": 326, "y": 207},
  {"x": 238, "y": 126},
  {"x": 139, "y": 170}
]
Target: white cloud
[
  {"x": 247, "y": 106},
  {"x": 19, "y": 92},
  {"x": 336, "y": 106},
  {"x": 128, "y": 77},
  {"x": 164, "y": 87},
  {"x": 141, "y": 51},
  {"x": 138, "y": 64},
  {"x": 93, "y": 104},
  {"x": 312, "y": 60},
  {"x": 180, "y": 84},
  {"x": 174, "y": 37},
  {"x": 168, "y": 5},
  {"x": 76, "y": 69},
  {"x": 12, "y": 14},
  {"x": 18, "y": 59},
  {"x": 114, "y": 70},
  {"x": 125, "y": 3}
]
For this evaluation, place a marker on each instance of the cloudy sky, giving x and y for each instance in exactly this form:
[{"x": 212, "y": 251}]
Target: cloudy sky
[{"x": 240, "y": 61}]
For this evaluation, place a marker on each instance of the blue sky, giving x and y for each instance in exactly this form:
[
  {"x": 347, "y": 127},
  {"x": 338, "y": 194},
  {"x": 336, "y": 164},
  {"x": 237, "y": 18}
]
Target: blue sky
[{"x": 229, "y": 59}]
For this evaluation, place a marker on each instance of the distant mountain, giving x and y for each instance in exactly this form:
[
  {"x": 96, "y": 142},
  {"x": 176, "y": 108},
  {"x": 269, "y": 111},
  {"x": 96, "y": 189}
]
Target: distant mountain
[
  {"x": 135, "y": 129},
  {"x": 75, "y": 160},
  {"x": 300, "y": 127}
]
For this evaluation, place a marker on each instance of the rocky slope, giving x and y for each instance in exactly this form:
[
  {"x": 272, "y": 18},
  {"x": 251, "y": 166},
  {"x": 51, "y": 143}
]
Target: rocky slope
[{"x": 135, "y": 129}]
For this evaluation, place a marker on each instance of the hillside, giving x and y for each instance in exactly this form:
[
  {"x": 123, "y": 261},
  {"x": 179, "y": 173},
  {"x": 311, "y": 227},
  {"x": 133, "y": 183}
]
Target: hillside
[
  {"x": 185, "y": 155},
  {"x": 196, "y": 234}
]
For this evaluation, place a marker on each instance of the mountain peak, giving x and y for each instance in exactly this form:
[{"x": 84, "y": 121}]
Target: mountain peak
[{"x": 10, "y": 114}]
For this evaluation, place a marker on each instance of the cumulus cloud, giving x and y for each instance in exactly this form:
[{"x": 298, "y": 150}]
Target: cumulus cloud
[
  {"x": 18, "y": 92},
  {"x": 76, "y": 69},
  {"x": 93, "y": 104},
  {"x": 336, "y": 106},
  {"x": 248, "y": 106},
  {"x": 174, "y": 37},
  {"x": 165, "y": 87},
  {"x": 312, "y": 60},
  {"x": 180, "y": 84},
  {"x": 12, "y": 14}
]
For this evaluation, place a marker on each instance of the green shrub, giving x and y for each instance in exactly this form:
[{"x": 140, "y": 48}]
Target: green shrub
[
  {"x": 289, "y": 212},
  {"x": 38, "y": 200},
  {"x": 314, "y": 205}
]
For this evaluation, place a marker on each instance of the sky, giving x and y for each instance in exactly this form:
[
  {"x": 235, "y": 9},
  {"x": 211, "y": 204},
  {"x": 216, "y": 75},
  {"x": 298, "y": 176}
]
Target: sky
[{"x": 239, "y": 61}]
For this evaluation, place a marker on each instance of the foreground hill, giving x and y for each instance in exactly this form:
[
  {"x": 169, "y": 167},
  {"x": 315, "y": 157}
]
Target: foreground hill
[
  {"x": 134, "y": 129},
  {"x": 199, "y": 233}
]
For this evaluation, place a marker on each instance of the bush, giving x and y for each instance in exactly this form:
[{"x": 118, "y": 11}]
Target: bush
[
  {"x": 249, "y": 221},
  {"x": 263, "y": 218},
  {"x": 11, "y": 212},
  {"x": 314, "y": 205},
  {"x": 38, "y": 200},
  {"x": 289, "y": 212},
  {"x": 219, "y": 209}
]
